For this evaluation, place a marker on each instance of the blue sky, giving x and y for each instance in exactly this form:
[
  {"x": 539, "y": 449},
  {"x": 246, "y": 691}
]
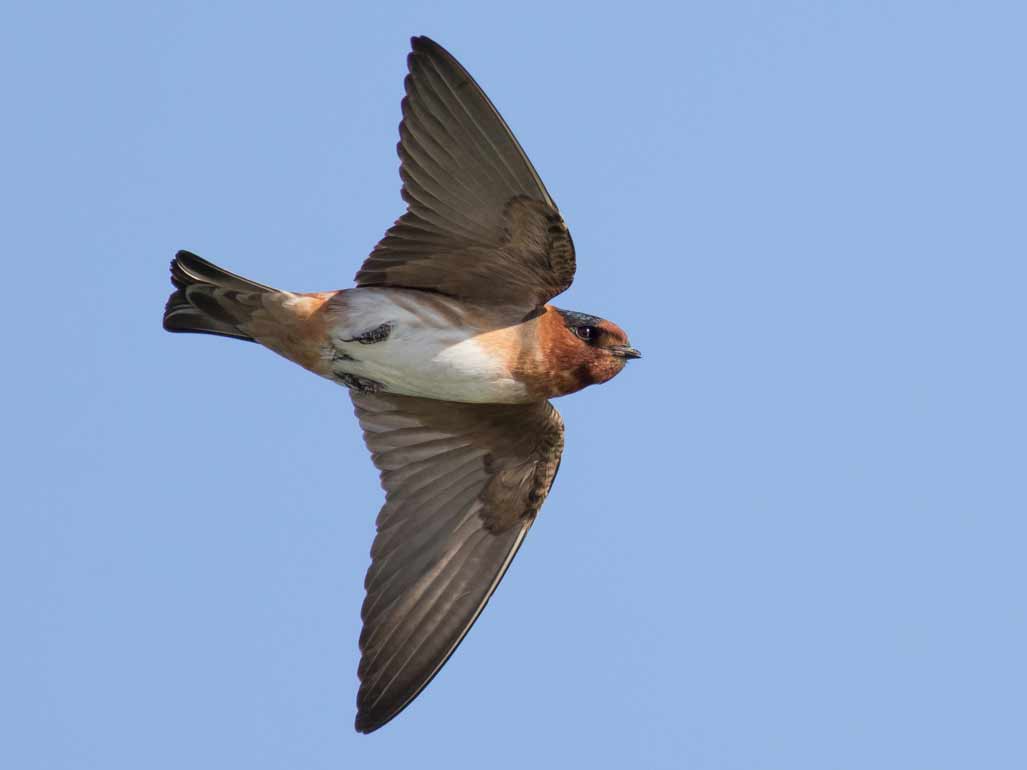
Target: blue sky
[{"x": 792, "y": 536}]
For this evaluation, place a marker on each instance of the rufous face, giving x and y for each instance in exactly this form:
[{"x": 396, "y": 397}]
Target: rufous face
[{"x": 600, "y": 348}]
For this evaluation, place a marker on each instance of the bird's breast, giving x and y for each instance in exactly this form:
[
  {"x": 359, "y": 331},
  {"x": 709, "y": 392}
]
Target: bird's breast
[{"x": 421, "y": 344}]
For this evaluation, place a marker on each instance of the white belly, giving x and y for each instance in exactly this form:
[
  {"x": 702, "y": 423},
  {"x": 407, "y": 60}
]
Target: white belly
[{"x": 429, "y": 351}]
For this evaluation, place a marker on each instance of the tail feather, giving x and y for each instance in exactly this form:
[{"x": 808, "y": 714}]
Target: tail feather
[{"x": 210, "y": 300}]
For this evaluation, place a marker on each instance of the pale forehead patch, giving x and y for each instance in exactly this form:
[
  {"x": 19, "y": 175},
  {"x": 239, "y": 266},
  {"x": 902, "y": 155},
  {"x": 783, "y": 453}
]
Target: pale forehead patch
[{"x": 573, "y": 318}]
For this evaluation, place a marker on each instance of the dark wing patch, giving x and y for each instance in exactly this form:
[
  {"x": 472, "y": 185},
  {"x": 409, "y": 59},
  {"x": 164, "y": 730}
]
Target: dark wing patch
[
  {"x": 463, "y": 484},
  {"x": 480, "y": 224}
]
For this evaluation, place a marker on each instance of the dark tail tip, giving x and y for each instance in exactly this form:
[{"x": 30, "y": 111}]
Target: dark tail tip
[{"x": 205, "y": 297}]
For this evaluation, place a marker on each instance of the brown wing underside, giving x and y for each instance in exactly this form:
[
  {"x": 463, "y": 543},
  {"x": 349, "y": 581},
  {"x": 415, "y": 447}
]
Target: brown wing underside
[
  {"x": 480, "y": 224},
  {"x": 463, "y": 484}
]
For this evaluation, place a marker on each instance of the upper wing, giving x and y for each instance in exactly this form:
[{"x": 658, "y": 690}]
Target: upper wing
[
  {"x": 479, "y": 223},
  {"x": 463, "y": 484}
]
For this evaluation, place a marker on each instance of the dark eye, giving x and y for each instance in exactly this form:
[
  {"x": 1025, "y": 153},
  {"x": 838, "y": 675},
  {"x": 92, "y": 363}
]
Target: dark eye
[{"x": 587, "y": 333}]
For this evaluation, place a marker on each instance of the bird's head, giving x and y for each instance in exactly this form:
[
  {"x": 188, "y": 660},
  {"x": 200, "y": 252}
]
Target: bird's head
[{"x": 591, "y": 349}]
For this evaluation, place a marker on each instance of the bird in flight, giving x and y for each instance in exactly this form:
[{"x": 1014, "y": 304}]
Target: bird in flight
[{"x": 450, "y": 352}]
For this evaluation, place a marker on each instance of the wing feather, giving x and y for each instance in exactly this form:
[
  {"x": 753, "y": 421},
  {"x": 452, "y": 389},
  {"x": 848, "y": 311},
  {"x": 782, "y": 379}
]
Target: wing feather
[
  {"x": 480, "y": 224},
  {"x": 463, "y": 485}
]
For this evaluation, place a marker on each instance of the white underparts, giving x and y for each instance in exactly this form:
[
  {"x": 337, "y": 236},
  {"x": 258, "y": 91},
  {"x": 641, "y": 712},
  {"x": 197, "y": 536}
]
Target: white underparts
[{"x": 414, "y": 344}]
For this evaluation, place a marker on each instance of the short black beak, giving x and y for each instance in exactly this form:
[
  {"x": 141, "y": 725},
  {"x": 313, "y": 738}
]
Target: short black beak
[{"x": 623, "y": 351}]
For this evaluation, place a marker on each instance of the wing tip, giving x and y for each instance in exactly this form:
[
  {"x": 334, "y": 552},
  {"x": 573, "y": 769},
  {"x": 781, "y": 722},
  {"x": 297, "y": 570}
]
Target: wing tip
[
  {"x": 424, "y": 46},
  {"x": 375, "y": 713},
  {"x": 422, "y": 42},
  {"x": 365, "y": 724}
]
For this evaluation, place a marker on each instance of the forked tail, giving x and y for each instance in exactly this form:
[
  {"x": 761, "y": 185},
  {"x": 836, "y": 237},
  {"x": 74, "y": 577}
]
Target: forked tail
[{"x": 210, "y": 300}]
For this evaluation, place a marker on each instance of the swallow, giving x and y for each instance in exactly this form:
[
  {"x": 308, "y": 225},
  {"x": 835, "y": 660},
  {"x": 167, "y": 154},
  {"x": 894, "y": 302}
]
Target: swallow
[{"x": 450, "y": 353}]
